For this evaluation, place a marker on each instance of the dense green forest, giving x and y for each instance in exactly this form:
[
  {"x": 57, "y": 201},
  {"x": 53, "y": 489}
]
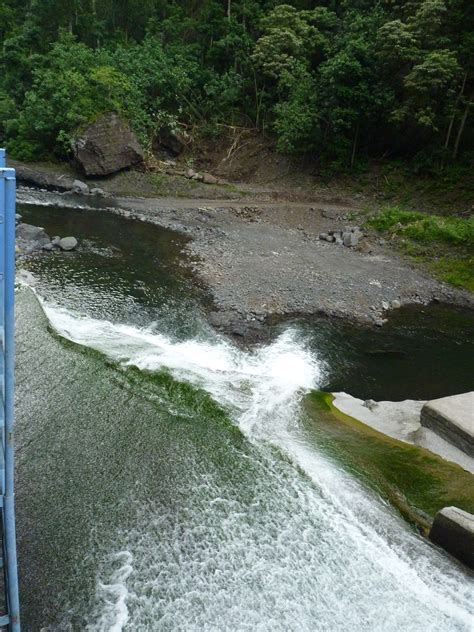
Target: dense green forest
[{"x": 340, "y": 79}]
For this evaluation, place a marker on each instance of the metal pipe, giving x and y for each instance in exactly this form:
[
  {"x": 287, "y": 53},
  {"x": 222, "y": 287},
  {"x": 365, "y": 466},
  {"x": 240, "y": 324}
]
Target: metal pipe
[
  {"x": 7, "y": 324},
  {"x": 9, "y": 498}
]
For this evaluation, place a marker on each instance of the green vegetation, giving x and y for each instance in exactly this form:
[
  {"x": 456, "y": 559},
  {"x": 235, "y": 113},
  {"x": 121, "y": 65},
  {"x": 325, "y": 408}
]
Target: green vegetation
[
  {"x": 425, "y": 228},
  {"x": 414, "y": 480},
  {"x": 345, "y": 80},
  {"x": 445, "y": 244}
]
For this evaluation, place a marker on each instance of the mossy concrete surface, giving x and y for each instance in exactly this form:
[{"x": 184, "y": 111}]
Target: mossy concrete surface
[{"x": 416, "y": 481}]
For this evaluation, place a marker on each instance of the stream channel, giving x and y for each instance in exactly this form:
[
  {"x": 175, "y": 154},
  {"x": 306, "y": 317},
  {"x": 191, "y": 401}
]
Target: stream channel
[{"x": 171, "y": 480}]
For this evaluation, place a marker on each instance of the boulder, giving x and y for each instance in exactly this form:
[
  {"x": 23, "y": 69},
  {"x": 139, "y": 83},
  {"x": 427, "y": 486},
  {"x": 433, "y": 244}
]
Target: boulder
[
  {"x": 97, "y": 191},
  {"x": 208, "y": 178},
  {"x": 49, "y": 246},
  {"x": 80, "y": 187},
  {"x": 106, "y": 146},
  {"x": 453, "y": 530},
  {"x": 350, "y": 239},
  {"x": 28, "y": 232},
  {"x": 67, "y": 243}
]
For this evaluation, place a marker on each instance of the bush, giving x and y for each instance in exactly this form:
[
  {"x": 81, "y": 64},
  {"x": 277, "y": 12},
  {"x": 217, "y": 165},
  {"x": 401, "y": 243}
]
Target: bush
[{"x": 425, "y": 228}]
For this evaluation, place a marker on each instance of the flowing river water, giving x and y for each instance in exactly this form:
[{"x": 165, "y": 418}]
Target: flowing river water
[{"x": 171, "y": 480}]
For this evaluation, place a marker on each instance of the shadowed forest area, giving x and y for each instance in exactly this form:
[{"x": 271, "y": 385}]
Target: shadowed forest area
[{"x": 343, "y": 81}]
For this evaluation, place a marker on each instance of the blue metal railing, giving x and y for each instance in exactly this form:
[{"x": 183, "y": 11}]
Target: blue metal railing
[{"x": 11, "y": 617}]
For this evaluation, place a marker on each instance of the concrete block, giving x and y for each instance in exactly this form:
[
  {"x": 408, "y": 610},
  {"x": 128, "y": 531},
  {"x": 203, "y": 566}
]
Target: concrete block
[
  {"x": 453, "y": 530},
  {"x": 453, "y": 419}
]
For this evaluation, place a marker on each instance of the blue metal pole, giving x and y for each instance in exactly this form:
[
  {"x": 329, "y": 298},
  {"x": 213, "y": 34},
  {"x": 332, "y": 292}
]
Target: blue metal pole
[
  {"x": 9, "y": 350},
  {"x": 10, "y": 534}
]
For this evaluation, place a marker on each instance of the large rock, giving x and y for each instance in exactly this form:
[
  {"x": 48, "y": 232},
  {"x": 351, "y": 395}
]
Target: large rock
[
  {"x": 80, "y": 187},
  {"x": 453, "y": 530},
  {"x": 67, "y": 243},
  {"x": 28, "y": 232},
  {"x": 453, "y": 419},
  {"x": 106, "y": 146}
]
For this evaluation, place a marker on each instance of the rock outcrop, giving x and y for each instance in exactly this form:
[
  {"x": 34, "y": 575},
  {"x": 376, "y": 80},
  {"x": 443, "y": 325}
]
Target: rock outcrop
[
  {"x": 453, "y": 530},
  {"x": 31, "y": 239},
  {"x": 106, "y": 146},
  {"x": 453, "y": 419}
]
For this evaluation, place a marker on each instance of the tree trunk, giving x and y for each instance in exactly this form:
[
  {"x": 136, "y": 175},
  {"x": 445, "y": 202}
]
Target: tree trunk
[
  {"x": 451, "y": 122},
  {"x": 229, "y": 3},
  {"x": 354, "y": 145},
  {"x": 461, "y": 129}
]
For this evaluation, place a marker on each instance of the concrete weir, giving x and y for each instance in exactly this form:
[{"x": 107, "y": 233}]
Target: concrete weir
[
  {"x": 453, "y": 419},
  {"x": 453, "y": 530}
]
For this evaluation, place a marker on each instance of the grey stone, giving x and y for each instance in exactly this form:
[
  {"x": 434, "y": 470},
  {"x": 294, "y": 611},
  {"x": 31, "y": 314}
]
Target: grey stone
[
  {"x": 323, "y": 236},
  {"x": 80, "y": 187},
  {"x": 350, "y": 239},
  {"x": 28, "y": 232},
  {"x": 49, "y": 246},
  {"x": 338, "y": 241},
  {"x": 330, "y": 238},
  {"x": 453, "y": 419},
  {"x": 106, "y": 146},
  {"x": 55, "y": 240},
  {"x": 97, "y": 191},
  {"x": 385, "y": 305},
  {"x": 356, "y": 229},
  {"x": 190, "y": 173},
  {"x": 208, "y": 178},
  {"x": 395, "y": 304},
  {"x": 18, "y": 217},
  {"x": 68, "y": 243},
  {"x": 453, "y": 530}
]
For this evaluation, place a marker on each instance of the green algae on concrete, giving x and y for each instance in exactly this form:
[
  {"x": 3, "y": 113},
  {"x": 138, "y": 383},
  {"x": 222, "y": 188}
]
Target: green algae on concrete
[{"x": 416, "y": 481}]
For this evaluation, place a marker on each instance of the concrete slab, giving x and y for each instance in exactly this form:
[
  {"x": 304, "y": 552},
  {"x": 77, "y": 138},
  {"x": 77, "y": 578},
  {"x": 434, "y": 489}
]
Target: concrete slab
[
  {"x": 453, "y": 530},
  {"x": 453, "y": 419},
  {"x": 401, "y": 420}
]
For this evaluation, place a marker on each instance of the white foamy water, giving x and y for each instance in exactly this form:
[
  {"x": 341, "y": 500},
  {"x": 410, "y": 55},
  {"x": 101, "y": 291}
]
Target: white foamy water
[
  {"x": 310, "y": 550},
  {"x": 111, "y": 613}
]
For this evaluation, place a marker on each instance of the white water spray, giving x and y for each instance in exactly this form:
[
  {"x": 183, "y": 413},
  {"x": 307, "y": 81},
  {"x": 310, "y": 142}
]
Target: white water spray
[{"x": 326, "y": 555}]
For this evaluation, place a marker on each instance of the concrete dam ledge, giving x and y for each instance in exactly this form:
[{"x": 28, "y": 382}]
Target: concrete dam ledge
[
  {"x": 453, "y": 419},
  {"x": 453, "y": 530}
]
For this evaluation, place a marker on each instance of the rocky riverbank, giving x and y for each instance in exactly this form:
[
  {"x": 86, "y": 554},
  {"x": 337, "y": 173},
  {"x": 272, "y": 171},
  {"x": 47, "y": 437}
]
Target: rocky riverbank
[
  {"x": 267, "y": 258},
  {"x": 267, "y": 261}
]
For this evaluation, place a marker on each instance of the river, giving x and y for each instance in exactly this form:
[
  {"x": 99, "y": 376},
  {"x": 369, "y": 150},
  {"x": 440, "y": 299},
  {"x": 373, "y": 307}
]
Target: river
[{"x": 166, "y": 477}]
